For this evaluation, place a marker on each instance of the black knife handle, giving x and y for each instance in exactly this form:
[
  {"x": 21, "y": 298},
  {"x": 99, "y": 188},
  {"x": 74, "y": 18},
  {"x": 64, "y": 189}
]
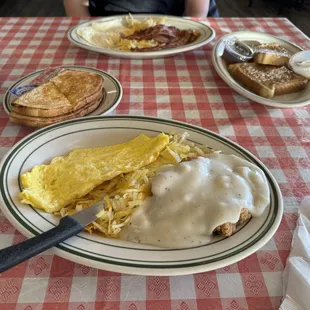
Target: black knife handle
[{"x": 16, "y": 254}]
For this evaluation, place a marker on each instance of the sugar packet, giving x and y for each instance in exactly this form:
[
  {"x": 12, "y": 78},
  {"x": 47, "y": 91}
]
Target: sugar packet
[{"x": 40, "y": 79}]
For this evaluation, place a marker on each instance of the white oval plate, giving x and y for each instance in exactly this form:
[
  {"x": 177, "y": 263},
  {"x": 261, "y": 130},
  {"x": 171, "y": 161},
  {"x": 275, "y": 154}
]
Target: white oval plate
[
  {"x": 206, "y": 35},
  {"x": 117, "y": 255},
  {"x": 294, "y": 100},
  {"x": 112, "y": 90}
]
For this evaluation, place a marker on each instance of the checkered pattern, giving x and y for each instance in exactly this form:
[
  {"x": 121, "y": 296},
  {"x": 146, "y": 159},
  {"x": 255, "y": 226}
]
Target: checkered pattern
[{"x": 187, "y": 88}]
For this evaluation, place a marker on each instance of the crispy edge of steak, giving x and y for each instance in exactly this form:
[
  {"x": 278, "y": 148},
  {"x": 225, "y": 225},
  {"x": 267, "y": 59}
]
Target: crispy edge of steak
[{"x": 228, "y": 229}]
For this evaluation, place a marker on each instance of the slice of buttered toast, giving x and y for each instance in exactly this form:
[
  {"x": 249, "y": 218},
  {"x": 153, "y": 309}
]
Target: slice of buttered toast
[
  {"x": 267, "y": 81},
  {"x": 272, "y": 54}
]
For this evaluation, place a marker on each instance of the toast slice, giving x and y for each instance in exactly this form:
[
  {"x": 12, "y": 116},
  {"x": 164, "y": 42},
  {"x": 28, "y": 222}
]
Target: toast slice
[
  {"x": 79, "y": 87},
  {"x": 266, "y": 55},
  {"x": 46, "y": 111},
  {"x": 44, "y": 97},
  {"x": 32, "y": 121},
  {"x": 67, "y": 92},
  {"x": 267, "y": 81}
]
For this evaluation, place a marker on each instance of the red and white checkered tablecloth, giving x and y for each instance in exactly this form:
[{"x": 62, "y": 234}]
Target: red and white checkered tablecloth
[{"x": 187, "y": 88}]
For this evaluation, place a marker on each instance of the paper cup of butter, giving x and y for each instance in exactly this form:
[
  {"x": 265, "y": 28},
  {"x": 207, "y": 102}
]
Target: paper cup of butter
[{"x": 237, "y": 51}]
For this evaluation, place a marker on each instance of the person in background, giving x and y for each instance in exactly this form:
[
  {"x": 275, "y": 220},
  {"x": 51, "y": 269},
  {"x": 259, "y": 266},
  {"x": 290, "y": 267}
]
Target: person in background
[{"x": 192, "y": 8}]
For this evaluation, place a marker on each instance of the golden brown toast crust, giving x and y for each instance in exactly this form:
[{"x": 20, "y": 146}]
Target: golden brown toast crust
[
  {"x": 78, "y": 85},
  {"x": 32, "y": 121},
  {"x": 47, "y": 113},
  {"x": 67, "y": 92},
  {"x": 267, "y": 81},
  {"x": 45, "y": 96},
  {"x": 271, "y": 59}
]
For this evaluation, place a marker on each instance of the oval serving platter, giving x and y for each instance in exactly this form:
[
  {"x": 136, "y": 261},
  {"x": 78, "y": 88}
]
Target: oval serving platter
[
  {"x": 116, "y": 255},
  {"x": 207, "y": 34},
  {"x": 293, "y": 100},
  {"x": 112, "y": 89}
]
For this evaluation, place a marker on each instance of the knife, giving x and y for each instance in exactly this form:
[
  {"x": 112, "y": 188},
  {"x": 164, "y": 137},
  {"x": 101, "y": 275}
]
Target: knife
[{"x": 68, "y": 226}]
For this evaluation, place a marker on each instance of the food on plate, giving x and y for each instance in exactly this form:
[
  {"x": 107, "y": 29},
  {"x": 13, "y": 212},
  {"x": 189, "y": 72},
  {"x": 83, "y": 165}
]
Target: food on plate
[
  {"x": 54, "y": 186},
  {"x": 272, "y": 54},
  {"x": 165, "y": 36},
  {"x": 34, "y": 121},
  {"x": 194, "y": 198},
  {"x": 267, "y": 81},
  {"x": 69, "y": 94},
  {"x": 165, "y": 185},
  {"x": 138, "y": 35},
  {"x": 262, "y": 68}
]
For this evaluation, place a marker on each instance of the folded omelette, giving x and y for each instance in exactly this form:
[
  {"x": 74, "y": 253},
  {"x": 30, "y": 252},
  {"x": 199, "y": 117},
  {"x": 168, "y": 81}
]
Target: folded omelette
[{"x": 54, "y": 186}]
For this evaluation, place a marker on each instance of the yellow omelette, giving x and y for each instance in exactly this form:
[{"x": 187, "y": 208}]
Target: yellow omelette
[{"x": 54, "y": 186}]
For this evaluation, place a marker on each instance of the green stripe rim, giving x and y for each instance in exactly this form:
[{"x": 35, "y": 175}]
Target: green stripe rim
[
  {"x": 116, "y": 83},
  {"x": 84, "y": 44},
  {"x": 202, "y": 261}
]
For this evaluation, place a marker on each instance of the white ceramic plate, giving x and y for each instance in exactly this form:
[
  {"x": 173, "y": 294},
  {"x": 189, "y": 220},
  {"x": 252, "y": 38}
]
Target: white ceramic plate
[
  {"x": 112, "y": 92},
  {"x": 294, "y": 100},
  {"x": 206, "y": 35},
  {"x": 116, "y": 255}
]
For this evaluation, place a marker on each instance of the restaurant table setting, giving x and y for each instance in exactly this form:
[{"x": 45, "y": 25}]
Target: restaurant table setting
[{"x": 188, "y": 90}]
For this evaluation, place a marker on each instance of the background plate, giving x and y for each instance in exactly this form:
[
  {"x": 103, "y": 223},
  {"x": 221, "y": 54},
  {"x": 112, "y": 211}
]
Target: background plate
[
  {"x": 294, "y": 100},
  {"x": 116, "y": 255},
  {"x": 206, "y": 35},
  {"x": 112, "y": 90}
]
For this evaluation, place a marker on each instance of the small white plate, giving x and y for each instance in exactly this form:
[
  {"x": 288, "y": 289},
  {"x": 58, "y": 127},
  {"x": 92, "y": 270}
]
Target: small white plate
[
  {"x": 294, "y": 100},
  {"x": 206, "y": 35},
  {"x": 117, "y": 255},
  {"x": 112, "y": 90}
]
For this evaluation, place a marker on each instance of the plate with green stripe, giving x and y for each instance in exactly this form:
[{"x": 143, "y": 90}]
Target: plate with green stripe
[
  {"x": 96, "y": 251},
  {"x": 114, "y": 25},
  {"x": 112, "y": 89}
]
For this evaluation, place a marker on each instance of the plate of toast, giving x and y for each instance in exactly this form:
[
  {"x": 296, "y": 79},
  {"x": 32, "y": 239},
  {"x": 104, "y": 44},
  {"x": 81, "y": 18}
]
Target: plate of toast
[
  {"x": 264, "y": 77},
  {"x": 53, "y": 95}
]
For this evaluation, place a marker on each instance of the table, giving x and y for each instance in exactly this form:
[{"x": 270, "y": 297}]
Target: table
[{"x": 187, "y": 88}]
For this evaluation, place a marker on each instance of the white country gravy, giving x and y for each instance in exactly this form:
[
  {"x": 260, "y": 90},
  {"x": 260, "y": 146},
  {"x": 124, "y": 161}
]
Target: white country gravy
[{"x": 192, "y": 198}]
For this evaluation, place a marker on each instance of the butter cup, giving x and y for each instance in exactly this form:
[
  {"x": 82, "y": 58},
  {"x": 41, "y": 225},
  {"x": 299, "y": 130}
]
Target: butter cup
[{"x": 233, "y": 54}]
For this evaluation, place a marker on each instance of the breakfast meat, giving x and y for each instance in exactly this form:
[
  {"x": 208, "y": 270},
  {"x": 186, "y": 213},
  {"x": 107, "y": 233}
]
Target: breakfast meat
[
  {"x": 228, "y": 229},
  {"x": 166, "y": 36},
  {"x": 193, "y": 198},
  {"x": 160, "y": 33}
]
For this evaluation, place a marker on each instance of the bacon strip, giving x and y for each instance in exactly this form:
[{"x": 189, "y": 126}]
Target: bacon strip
[{"x": 166, "y": 36}]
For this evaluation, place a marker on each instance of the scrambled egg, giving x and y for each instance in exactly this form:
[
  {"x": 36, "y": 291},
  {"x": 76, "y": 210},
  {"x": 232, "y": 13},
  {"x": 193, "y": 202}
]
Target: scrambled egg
[{"x": 52, "y": 187}]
